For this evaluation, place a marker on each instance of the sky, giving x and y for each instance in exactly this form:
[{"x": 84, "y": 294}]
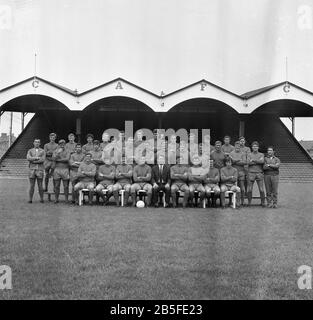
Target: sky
[{"x": 161, "y": 45}]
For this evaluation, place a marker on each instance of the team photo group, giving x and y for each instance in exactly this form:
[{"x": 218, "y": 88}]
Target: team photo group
[{"x": 203, "y": 175}]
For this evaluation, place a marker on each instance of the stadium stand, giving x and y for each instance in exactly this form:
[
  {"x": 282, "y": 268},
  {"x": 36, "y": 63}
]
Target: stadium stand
[{"x": 297, "y": 165}]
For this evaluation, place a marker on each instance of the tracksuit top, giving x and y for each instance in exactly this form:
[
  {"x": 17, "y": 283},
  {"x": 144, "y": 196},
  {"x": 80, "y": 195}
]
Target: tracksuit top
[
  {"x": 142, "y": 171},
  {"x": 196, "y": 171},
  {"x": 259, "y": 159},
  {"x": 178, "y": 169},
  {"x": 228, "y": 172},
  {"x": 239, "y": 160},
  {"x": 90, "y": 168},
  {"x": 227, "y": 149},
  {"x": 88, "y": 147},
  {"x": 269, "y": 170},
  {"x": 218, "y": 159},
  {"x": 124, "y": 169},
  {"x": 213, "y": 176},
  {"x": 76, "y": 157},
  {"x": 34, "y": 153},
  {"x": 106, "y": 170}
]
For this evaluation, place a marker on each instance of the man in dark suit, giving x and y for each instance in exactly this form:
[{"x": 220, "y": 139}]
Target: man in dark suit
[{"x": 161, "y": 180}]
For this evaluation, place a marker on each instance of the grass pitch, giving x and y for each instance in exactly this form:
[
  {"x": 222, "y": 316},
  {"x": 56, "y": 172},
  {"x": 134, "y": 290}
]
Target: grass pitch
[{"x": 69, "y": 252}]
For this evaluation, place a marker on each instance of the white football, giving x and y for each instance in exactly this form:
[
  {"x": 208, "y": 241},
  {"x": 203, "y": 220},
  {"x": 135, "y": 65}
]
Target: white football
[{"x": 140, "y": 204}]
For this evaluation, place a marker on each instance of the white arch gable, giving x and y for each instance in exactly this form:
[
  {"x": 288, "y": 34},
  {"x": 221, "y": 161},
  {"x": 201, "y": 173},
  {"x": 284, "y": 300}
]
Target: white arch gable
[
  {"x": 202, "y": 89},
  {"x": 118, "y": 87},
  {"x": 278, "y": 93},
  {"x": 43, "y": 88}
]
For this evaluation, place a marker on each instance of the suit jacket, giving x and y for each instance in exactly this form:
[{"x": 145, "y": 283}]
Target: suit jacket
[{"x": 166, "y": 174}]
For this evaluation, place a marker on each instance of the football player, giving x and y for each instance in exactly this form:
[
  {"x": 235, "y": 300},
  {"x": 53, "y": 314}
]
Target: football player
[
  {"x": 36, "y": 157},
  {"x": 142, "y": 178},
  {"x": 89, "y": 146},
  {"x": 211, "y": 181},
  {"x": 105, "y": 180},
  {"x": 229, "y": 177},
  {"x": 255, "y": 160},
  {"x": 86, "y": 177},
  {"x": 76, "y": 160},
  {"x": 179, "y": 177},
  {"x": 61, "y": 172},
  {"x": 271, "y": 177},
  {"x": 70, "y": 146},
  {"x": 239, "y": 160},
  {"x": 123, "y": 176},
  {"x": 227, "y": 148},
  {"x": 196, "y": 175},
  {"x": 49, "y": 148},
  {"x": 218, "y": 156}
]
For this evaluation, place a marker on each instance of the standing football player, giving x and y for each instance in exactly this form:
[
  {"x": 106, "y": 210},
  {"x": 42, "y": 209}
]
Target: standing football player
[
  {"x": 36, "y": 157},
  {"x": 76, "y": 160},
  {"x": 70, "y": 146},
  {"x": 61, "y": 172},
  {"x": 89, "y": 146},
  {"x": 49, "y": 148},
  {"x": 239, "y": 160},
  {"x": 227, "y": 148},
  {"x": 271, "y": 177},
  {"x": 255, "y": 162}
]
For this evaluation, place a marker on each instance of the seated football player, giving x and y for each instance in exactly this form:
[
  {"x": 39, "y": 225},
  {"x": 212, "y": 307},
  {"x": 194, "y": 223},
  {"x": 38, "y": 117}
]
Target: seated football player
[
  {"x": 255, "y": 160},
  {"x": 229, "y": 177},
  {"x": 86, "y": 177},
  {"x": 179, "y": 178},
  {"x": 161, "y": 180},
  {"x": 70, "y": 146},
  {"x": 76, "y": 160},
  {"x": 123, "y": 177},
  {"x": 105, "y": 179},
  {"x": 227, "y": 148},
  {"x": 49, "y": 148},
  {"x": 89, "y": 146},
  {"x": 211, "y": 181},
  {"x": 218, "y": 156},
  {"x": 196, "y": 175},
  {"x": 239, "y": 160},
  {"x": 36, "y": 157},
  {"x": 61, "y": 172},
  {"x": 141, "y": 178}
]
